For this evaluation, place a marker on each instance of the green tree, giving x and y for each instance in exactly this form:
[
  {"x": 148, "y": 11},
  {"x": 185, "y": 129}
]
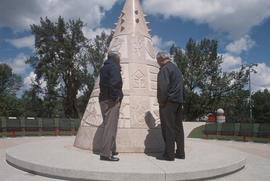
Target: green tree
[
  {"x": 207, "y": 86},
  {"x": 261, "y": 106},
  {"x": 32, "y": 103},
  {"x": 97, "y": 50},
  {"x": 61, "y": 61},
  {"x": 10, "y": 84}
]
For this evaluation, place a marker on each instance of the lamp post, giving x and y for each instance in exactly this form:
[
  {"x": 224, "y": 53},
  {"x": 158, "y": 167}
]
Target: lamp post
[{"x": 250, "y": 106}]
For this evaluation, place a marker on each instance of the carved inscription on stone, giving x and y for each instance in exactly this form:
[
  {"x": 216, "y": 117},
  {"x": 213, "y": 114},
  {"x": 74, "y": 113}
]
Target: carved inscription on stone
[
  {"x": 138, "y": 45},
  {"x": 153, "y": 72},
  {"x": 92, "y": 115}
]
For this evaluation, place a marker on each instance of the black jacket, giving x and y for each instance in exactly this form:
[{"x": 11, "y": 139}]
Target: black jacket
[
  {"x": 110, "y": 82},
  {"x": 170, "y": 84}
]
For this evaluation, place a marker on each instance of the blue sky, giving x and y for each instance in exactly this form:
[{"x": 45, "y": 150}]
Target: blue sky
[{"x": 241, "y": 27}]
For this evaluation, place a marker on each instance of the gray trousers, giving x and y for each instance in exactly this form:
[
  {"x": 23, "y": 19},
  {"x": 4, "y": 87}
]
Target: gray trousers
[
  {"x": 171, "y": 116},
  {"x": 110, "y": 113}
]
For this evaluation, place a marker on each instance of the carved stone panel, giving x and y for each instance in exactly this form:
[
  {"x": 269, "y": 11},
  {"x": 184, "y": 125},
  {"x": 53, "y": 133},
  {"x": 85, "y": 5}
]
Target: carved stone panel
[
  {"x": 153, "y": 72},
  {"x": 155, "y": 110},
  {"x": 136, "y": 47},
  {"x": 139, "y": 107},
  {"x": 125, "y": 76},
  {"x": 138, "y": 76},
  {"x": 150, "y": 48},
  {"x": 138, "y": 79},
  {"x": 119, "y": 44},
  {"x": 124, "y": 117},
  {"x": 116, "y": 44},
  {"x": 92, "y": 115}
]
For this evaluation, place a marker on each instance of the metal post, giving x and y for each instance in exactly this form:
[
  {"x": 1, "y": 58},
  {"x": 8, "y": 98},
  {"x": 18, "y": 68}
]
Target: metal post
[{"x": 250, "y": 106}]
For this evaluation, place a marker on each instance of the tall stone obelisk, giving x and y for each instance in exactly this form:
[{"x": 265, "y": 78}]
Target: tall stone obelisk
[{"x": 138, "y": 127}]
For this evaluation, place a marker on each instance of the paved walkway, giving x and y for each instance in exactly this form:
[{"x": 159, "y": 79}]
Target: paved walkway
[{"x": 257, "y": 167}]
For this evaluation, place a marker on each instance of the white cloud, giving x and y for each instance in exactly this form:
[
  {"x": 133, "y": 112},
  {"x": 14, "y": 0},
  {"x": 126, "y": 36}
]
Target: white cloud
[
  {"x": 160, "y": 44},
  {"x": 18, "y": 63},
  {"x": 230, "y": 62},
  {"x": 243, "y": 44},
  {"x": 31, "y": 79},
  {"x": 233, "y": 17},
  {"x": 261, "y": 80},
  {"x": 24, "y": 42},
  {"x": 91, "y": 34},
  {"x": 232, "y": 59},
  {"x": 20, "y": 14}
]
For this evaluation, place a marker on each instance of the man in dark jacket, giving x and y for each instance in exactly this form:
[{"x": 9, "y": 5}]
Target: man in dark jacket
[
  {"x": 110, "y": 98},
  {"x": 170, "y": 98}
]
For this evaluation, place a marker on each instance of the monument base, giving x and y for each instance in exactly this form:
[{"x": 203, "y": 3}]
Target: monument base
[
  {"x": 128, "y": 140},
  {"x": 60, "y": 159}
]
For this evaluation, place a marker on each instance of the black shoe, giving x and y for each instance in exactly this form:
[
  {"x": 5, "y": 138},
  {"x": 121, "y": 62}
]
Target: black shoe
[
  {"x": 114, "y": 153},
  {"x": 164, "y": 154},
  {"x": 180, "y": 156},
  {"x": 104, "y": 158},
  {"x": 168, "y": 158}
]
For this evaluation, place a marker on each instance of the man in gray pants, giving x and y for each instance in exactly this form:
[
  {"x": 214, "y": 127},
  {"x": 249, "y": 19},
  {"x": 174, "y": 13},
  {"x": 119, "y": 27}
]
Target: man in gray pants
[
  {"x": 110, "y": 98},
  {"x": 170, "y": 96}
]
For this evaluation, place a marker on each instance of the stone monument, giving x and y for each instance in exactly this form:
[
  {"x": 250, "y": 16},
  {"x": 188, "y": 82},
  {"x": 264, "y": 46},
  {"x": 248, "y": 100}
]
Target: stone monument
[{"x": 138, "y": 126}]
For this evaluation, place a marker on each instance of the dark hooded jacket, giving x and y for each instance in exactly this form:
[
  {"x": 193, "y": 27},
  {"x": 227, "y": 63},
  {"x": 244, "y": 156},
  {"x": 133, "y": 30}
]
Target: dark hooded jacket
[
  {"x": 170, "y": 85},
  {"x": 110, "y": 82}
]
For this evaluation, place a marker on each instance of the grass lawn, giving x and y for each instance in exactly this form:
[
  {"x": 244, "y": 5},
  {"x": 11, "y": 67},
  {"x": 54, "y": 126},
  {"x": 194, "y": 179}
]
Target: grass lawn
[{"x": 198, "y": 133}]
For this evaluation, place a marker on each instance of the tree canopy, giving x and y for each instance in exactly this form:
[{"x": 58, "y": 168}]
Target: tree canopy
[
  {"x": 64, "y": 58},
  {"x": 261, "y": 106},
  {"x": 10, "y": 84},
  {"x": 207, "y": 86}
]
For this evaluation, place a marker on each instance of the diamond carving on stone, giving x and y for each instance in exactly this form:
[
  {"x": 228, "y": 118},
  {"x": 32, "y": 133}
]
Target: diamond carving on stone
[{"x": 139, "y": 79}]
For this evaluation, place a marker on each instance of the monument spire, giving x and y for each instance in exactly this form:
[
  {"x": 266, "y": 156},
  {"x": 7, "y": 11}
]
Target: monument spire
[
  {"x": 138, "y": 129},
  {"x": 132, "y": 20}
]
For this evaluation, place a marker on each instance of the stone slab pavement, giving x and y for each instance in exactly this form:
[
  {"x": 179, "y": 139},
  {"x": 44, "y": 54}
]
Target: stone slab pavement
[
  {"x": 9, "y": 173},
  {"x": 257, "y": 167}
]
